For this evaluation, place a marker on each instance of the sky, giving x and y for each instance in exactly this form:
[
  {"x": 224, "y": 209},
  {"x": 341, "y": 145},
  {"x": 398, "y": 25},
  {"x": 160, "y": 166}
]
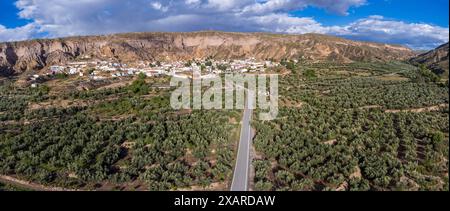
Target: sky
[{"x": 418, "y": 24}]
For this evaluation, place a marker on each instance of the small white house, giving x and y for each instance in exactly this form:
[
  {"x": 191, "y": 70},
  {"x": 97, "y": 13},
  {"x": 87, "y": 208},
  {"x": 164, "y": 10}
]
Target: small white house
[
  {"x": 73, "y": 71},
  {"x": 56, "y": 69}
]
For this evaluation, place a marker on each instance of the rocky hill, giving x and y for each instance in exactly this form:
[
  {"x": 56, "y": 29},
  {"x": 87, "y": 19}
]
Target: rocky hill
[
  {"x": 17, "y": 57},
  {"x": 436, "y": 60}
]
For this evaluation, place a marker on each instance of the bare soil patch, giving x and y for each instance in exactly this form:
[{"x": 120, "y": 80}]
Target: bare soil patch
[
  {"x": 357, "y": 174},
  {"x": 420, "y": 110},
  {"x": 30, "y": 185},
  {"x": 392, "y": 77},
  {"x": 371, "y": 107},
  {"x": 217, "y": 186},
  {"x": 330, "y": 142},
  {"x": 292, "y": 104}
]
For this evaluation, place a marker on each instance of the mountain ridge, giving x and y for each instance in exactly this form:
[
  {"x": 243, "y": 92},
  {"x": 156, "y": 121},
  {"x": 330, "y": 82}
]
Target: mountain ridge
[
  {"x": 437, "y": 60},
  {"x": 17, "y": 57}
]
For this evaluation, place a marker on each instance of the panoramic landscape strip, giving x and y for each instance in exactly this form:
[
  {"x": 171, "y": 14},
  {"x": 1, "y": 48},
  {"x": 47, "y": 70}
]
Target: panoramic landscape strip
[{"x": 224, "y": 104}]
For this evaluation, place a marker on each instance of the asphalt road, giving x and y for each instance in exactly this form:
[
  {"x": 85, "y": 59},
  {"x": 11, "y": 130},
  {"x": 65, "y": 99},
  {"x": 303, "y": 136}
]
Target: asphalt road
[{"x": 242, "y": 167}]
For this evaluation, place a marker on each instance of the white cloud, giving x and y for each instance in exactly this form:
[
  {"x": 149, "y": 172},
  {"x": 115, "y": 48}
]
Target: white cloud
[
  {"x": 338, "y": 7},
  {"x": 85, "y": 17},
  {"x": 158, "y": 6},
  {"x": 193, "y": 2},
  {"x": 282, "y": 23},
  {"x": 19, "y": 33},
  {"x": 68, "y": 17},
  {"x": 379, "y": 29},
  {"x": 227, "y": 5}
]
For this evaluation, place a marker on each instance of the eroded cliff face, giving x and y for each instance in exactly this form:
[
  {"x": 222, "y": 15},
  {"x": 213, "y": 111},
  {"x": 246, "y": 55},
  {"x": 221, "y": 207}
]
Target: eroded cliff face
[
  {"x": 436, "y": 60},
  {"x": 17, "y": 57}
]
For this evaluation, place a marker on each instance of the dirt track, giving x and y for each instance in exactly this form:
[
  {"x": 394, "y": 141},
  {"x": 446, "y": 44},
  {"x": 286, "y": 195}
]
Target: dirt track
[
  {"x": 29, "y": 185},
  {"x": 420, "y": 110}
]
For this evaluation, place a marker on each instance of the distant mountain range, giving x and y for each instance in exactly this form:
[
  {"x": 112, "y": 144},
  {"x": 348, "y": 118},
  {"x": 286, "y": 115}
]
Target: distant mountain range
[
  {"x": 17, "y": 57},
  {"x": 436, "y": 60}
]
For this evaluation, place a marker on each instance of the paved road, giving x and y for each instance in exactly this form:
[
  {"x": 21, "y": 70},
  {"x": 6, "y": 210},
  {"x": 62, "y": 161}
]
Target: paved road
[{"x": 242, "y": 167}]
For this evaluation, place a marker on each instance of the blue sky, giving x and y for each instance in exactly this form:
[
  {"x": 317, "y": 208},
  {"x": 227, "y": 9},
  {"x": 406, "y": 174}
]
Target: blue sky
[
  {"x": 418, "y": 11},
  {"x": 8, "y": 15},
  {"x": 418, "y": 24}
]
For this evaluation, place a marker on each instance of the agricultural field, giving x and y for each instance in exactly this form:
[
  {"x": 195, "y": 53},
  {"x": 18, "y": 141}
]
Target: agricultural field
[
  {"x": 345, "y": 127},
  {"x": 357, "y": 127},
  {"x": 122, "y": 137}
]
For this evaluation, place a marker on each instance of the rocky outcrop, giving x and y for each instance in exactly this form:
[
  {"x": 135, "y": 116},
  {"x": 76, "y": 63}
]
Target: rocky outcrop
[{"x": 16, "y": 57}]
